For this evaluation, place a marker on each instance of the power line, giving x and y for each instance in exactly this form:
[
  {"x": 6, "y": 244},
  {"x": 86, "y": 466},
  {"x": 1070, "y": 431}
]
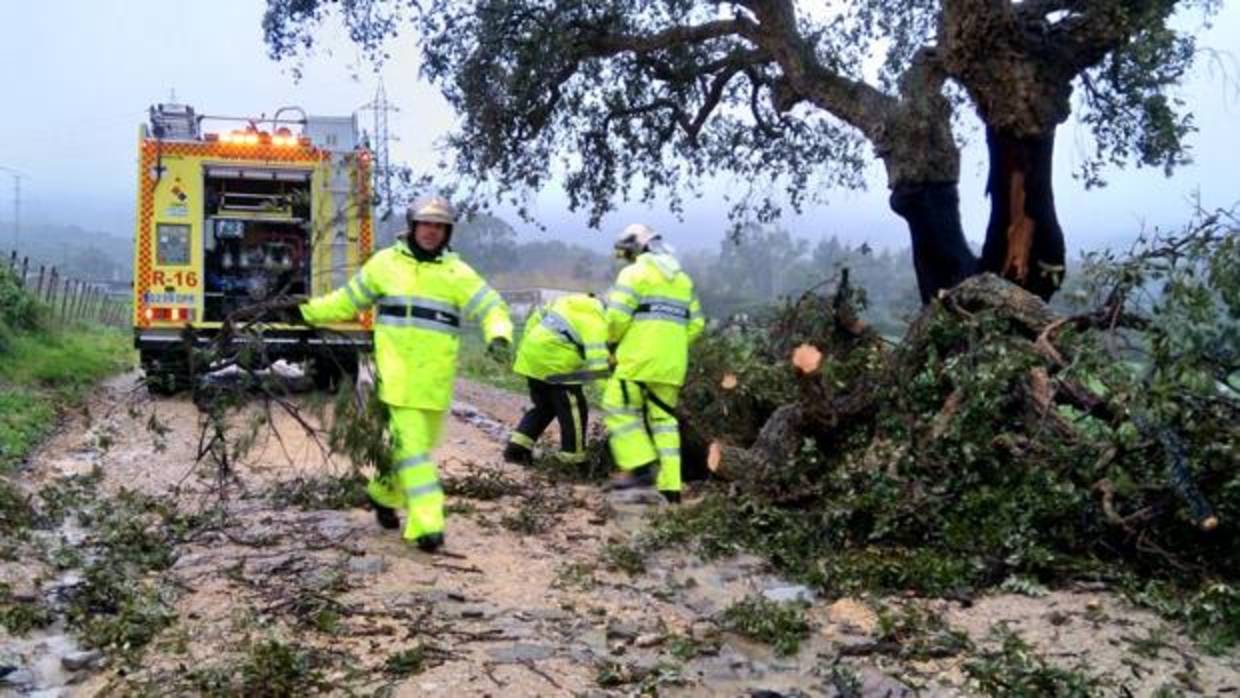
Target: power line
[{"x": 381, "y": 144}]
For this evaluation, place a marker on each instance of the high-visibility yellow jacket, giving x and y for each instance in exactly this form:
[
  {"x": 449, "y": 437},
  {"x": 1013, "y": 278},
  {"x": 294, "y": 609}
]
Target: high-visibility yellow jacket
[
  {"x": 654, "y": 315},
  {"x": 565, "y": 341},
  {"x": 420, "y": 311}
]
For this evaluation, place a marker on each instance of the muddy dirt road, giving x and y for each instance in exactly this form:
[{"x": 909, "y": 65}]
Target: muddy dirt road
[{"x": 269, "y": 591}]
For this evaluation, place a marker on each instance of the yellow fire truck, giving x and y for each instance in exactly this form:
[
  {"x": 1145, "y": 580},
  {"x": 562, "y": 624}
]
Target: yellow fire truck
[{"x": 233, "y": 211}]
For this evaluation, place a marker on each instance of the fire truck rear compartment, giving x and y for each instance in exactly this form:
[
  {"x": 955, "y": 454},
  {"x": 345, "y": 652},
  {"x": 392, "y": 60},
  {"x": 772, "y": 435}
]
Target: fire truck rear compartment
[{"x": 256, "y": 238}]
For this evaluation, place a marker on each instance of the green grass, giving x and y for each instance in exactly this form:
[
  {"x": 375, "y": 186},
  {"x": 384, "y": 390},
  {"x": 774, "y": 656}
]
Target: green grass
[{"x": 43, "y": 371}]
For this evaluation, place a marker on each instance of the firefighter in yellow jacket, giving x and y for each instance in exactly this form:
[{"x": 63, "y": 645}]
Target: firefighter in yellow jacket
[
  {"x": 563, "y": 345},
  {"x": 653, "y": 315},
  {"x": 423, "y": 296}
]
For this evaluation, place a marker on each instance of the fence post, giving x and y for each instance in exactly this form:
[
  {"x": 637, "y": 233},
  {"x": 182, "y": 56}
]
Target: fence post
[
  {"x": 64, "y": 300},
  {"x": 25, "y": 268},
  {"x": 79, "y": 300},
  {"x": 38, "y": 291},
  {"x": 51, "y": 288},
  {"x": 13, "y": 261}
]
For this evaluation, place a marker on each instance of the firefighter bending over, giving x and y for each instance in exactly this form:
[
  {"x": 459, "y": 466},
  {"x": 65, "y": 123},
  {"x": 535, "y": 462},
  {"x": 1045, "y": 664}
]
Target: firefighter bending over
[
  {"x": 653, "y": 315},
  {"x": 423, "y": 295},
  {"x": 564, "y": 345}
]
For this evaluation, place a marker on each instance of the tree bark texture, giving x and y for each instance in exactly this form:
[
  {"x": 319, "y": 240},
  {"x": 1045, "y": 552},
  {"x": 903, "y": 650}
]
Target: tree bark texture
[
  {"x": 1024, "y": 242},
  {"x": 941, "y": 257}
]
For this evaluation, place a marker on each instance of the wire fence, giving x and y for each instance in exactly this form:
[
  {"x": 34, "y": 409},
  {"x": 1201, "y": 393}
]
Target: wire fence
[{"x": 69, "y": 298}]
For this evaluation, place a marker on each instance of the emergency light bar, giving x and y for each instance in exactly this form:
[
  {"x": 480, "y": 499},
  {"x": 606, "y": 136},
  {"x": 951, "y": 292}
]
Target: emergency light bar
[{"x": 282, "y": 138}]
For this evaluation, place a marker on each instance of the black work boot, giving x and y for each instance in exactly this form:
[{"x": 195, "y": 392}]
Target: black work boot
[
  {"x": 386, "y": 516},
  {"x": 518, "y": 454},
  {"x": 637, "y": 478},
  {"x": 672, "y": 496},
  {"x": 430, "y": 542}
]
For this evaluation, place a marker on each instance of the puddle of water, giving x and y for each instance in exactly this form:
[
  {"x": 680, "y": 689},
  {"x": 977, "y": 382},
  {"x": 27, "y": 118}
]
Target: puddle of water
[{"x": 40, "y": 654}]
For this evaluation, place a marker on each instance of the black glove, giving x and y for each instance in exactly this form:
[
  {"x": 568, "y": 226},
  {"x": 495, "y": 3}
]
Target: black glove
[{"x": 500, "y": 351}]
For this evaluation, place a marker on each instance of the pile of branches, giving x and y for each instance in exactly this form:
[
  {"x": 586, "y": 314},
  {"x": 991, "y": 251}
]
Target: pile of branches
[
  {"x": 243, "y": 408},
  {"x": 999, "y": 438}
]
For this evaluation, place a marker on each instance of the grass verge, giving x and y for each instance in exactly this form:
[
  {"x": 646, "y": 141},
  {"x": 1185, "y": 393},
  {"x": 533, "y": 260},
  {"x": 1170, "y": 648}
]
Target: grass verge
[{"x": 43, "y": 371}]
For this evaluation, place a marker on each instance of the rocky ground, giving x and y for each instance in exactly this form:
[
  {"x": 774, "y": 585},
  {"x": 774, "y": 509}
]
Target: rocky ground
[{"x": 273, "y": 587}]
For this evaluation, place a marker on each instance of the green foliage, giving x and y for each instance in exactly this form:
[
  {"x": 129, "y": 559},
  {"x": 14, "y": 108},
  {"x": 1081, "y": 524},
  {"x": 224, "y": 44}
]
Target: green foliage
[
  {"x": 575, "y": 575},
  {"x": 118, "y": 607},
  {"x": 627, "y": 557},
  {"x": 413, "y": 661},
  {"x": 1211, "y": 613},
  {"x": 1015, "y": 670},
  {"x": 358, "y": 430},
  {"x": 324, "y": 492},
  {"x": 42, "y": 371},
  {"x": 596, "y": 467},
  {"x": 953, "y": 480},
  {"x": 16, "y": 513},
  {"x": 19, "y": 311},
  {"x": 780, "y": 625},
  {"x": 268, "y": 668},
  {"x": 483, "y": 484},
  {"x": 19, "y": 616},
  {"x": 918, "y": 634}
]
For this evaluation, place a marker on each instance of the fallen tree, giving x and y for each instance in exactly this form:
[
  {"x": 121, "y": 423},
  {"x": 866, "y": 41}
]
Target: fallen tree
[{"x": 999, "y": 438}]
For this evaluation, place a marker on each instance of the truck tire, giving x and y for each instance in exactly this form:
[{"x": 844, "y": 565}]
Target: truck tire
[
  {"x": 330, "y": 369},
  {"x": 166, "y": 373}
]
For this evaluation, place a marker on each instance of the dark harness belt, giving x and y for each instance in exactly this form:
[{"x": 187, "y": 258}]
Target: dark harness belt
[
  {"x": 417, "y": 311},
  {"x": 662, "y": 308},
  {"x": 649, "y": 398}
]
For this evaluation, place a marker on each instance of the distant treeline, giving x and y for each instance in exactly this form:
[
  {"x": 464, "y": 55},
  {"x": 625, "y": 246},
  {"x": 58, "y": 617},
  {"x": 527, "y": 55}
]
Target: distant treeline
[
  {"x": 750, "y": 271},
  {"x": 77, "y": 252}
]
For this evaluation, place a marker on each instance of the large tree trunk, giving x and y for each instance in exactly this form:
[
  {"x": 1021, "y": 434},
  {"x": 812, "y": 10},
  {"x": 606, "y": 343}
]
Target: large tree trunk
[
  {"x": 1024, "y": 242},
  {"x": 922, "y": 160},
  {"x": 941, "y": 257}
]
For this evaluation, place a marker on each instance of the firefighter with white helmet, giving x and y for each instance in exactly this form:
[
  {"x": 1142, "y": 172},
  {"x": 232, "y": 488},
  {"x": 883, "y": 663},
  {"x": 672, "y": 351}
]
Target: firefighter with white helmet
[
  {"x": 423, "y": 295},
  {"x": 653, "y": 315}
]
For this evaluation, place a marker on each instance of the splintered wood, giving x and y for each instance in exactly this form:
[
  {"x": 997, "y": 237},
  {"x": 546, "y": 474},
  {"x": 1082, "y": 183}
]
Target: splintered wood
[
  {"x": 806, "y": 359},
  {"x": 714, "y": 457}
]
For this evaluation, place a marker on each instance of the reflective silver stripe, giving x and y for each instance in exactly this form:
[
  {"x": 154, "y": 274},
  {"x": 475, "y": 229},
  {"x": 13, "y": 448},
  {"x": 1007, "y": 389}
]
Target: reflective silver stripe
[
  {"x": 577, "y": 376},
  {"x": 622, "y": 411},
  {"x": 595, "y": 346},
  {"x": 477, "y": 299},
  {"x": 666, "y": 301},
  {"x": 412, "y": 462},
  {"x": 669, "y": 452},
  {"x": 627, "y": 428},
  {"x": 622, "y": 308},
  {"x": 557, "y": 323},
  {"x": 421, "y": 490},
  {"x": 665, "y": 429},
  {"x": 420, "y": 301},
  {"x": 417, "y": 322},
  {"x": 354, "y": 297},
  {"x": 665, "y": 317},
  {"x": 363, "y": 288},
  {"x": 487, "y": 308}
]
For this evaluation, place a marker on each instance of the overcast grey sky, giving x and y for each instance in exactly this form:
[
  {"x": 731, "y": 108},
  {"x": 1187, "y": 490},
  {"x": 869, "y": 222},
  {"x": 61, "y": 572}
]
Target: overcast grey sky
[{"x": 78, "y": 76}]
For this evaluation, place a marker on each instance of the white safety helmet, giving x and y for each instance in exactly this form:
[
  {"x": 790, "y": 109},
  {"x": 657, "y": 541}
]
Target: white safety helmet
[
  {"x": 433, "y": 209},
  {"x": 634, "y": 240}
]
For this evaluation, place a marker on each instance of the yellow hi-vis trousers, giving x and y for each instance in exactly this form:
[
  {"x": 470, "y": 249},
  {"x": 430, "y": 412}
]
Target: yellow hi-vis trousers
[
  {"x": 640, "y": 432},
  {"x": 413, "y": 483}
]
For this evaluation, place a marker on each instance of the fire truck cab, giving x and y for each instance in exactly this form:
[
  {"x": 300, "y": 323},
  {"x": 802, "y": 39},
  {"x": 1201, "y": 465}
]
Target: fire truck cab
[{"x": 233, "y": 211}]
